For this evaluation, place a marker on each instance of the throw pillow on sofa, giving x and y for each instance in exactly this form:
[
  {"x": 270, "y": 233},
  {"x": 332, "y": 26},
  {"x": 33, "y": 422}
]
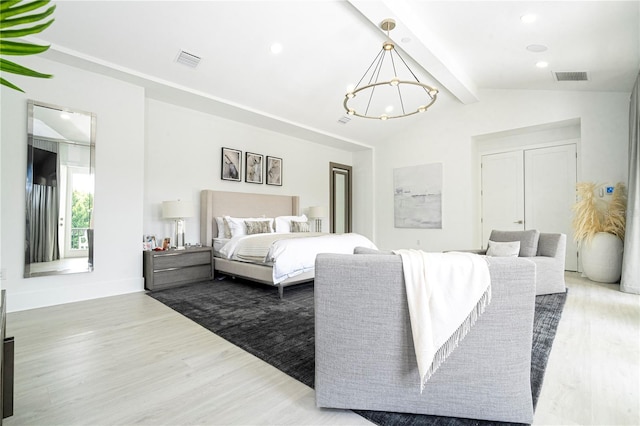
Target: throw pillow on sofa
[{"x": 503, "y": 249}]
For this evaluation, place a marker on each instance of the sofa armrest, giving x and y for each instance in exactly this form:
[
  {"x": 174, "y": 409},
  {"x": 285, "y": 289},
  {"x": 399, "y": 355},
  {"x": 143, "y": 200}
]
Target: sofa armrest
[
  {"x": 553, "y": 245},
  {"x": 474, "y": 251},
  {"x": 365, "y": 357}
]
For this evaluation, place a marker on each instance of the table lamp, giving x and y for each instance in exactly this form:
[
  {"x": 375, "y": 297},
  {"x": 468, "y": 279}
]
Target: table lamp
[
  {"x": 317, "y": 213},
  {"x": 177, "y": 210}
]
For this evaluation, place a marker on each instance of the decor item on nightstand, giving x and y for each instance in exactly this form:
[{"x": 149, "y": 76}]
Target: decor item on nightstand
[
  {"x": 317, "y": 213},
  {"x": 178, "y": 211},
  {"x": 274, "y": 171},
  {"x": 253, "y": 167},
  {"x": 599, "y": 227},
  {"x": 231, "y": 164}
]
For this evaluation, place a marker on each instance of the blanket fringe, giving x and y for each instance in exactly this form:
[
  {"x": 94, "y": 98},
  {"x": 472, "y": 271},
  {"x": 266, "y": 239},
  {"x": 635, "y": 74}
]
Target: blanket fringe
[{"x": 452, "y": 343}]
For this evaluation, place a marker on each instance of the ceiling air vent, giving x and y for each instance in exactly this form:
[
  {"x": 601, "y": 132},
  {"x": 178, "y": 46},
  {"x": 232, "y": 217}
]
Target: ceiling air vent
[
  {"x": 344, "y": 120},
  {"x": 188, "y": 59},
  {"x": 571, "y": 76}
]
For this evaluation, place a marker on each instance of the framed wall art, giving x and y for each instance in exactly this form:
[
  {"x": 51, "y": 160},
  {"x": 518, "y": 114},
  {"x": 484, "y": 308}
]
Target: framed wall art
[
  {"x": 253, "y": 167},
  {"x": 274, "y": 171},
  {"x": 418, "y": 196},
  {"x": 231, "y": 164}
]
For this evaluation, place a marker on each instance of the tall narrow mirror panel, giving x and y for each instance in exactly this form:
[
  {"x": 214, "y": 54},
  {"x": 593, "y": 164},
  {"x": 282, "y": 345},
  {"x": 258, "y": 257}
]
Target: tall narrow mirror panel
[{"x": 60, "y": 190}]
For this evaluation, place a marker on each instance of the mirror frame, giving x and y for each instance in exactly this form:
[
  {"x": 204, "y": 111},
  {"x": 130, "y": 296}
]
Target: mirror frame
[
  {"x": 336, "y": 169},
  {"x": 31, "y": 105}
]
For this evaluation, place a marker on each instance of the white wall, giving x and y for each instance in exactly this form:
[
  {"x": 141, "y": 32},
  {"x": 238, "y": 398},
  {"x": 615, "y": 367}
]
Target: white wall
[
  {"x": 183, "y": 157},
  {"x": 119, "y": 184},
  {"x": 446, "y": 135},
  {"x": 364, "y": 211}
]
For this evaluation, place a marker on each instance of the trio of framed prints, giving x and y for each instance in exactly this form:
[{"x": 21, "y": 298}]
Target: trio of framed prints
[{"x": 255, "y": 168}]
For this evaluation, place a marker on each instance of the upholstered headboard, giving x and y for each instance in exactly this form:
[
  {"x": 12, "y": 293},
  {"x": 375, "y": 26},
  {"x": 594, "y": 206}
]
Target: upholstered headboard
[{"x": 240, "y": 204}]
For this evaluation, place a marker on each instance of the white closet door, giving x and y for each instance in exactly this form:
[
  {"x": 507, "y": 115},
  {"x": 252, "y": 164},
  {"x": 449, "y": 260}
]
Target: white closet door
[
  {"x": 550, "y": 181},
  {"x": 502, "y": 193}
]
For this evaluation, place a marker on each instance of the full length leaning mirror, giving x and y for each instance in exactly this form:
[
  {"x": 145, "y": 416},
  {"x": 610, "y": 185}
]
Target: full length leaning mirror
[{"x": 60, "y": 190}]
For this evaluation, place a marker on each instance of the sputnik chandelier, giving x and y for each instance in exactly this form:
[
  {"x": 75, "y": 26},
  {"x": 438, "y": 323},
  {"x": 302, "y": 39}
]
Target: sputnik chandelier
[{"x": 401, "y": 95}]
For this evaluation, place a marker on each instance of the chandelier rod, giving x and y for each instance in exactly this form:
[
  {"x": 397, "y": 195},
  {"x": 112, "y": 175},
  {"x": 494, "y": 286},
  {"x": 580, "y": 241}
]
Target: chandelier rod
[
  {"x": 378, "y": 68},
  {"x": 367, "y": 71},
  {"x": 412, "y": 73},
  {"x": 395, "y": 74}
]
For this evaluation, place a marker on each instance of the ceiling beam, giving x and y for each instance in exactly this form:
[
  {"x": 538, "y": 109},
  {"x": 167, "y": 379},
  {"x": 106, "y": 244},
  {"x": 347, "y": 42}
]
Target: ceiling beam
[{"x": 423, "y": 48}]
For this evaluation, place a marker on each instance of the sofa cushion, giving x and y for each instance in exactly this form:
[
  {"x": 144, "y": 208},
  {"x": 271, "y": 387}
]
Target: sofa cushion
[
  {"x": 367, "y": 250},
  {"x": 500, "y": 249},
  {"x": 528, "y": 240}
]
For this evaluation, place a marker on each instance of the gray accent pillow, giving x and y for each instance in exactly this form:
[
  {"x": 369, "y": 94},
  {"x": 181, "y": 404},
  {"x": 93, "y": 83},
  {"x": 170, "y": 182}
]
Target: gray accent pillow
[{"x": 528, "y": 240}]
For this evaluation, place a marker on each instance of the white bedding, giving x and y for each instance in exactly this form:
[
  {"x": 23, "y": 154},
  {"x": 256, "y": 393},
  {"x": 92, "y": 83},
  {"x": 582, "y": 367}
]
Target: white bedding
[
  {"x": 290, "y": 254},
  {"x": 218, "y": 244}
]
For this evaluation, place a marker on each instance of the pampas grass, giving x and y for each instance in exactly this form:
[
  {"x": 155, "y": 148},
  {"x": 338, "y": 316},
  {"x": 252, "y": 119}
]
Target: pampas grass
[
  {"x": 593, "y": 214},
  {"x": 615, "y": 218}
]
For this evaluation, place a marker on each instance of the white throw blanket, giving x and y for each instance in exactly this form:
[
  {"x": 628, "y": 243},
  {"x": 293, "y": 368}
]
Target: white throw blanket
[{"x": 447, "y": 292}]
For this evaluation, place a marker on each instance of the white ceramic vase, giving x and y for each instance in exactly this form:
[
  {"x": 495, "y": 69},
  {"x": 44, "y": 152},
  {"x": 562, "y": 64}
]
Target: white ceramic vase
[{"x": 602, "y": 258}]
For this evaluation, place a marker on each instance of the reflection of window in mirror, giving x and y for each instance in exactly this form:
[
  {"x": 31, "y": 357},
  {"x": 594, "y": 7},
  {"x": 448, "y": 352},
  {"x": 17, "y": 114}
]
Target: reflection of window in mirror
[{"x": 60, "y": 190}]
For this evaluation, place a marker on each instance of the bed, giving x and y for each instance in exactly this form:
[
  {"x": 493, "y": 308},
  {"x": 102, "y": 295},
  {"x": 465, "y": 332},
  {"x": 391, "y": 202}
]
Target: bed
[{"x": 217, "y": 204}]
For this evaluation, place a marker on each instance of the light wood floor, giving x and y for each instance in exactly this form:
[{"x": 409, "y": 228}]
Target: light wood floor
[{"x": 131, "y": 360}]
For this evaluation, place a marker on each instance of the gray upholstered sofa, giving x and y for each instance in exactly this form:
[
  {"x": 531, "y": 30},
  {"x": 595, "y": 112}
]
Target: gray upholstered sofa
[
  {"x": 546, "y": 250},
  {"x": 364, "y": 350}
]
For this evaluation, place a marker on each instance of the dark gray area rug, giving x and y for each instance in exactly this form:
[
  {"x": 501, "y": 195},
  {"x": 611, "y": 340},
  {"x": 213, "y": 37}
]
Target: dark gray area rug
[{"x": 281, "y": 332}]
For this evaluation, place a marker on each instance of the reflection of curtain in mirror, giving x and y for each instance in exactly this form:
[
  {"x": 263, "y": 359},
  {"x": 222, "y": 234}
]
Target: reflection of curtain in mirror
[
  {"x": 43, "y": 234},
  {"x": 44, "y": 224}
]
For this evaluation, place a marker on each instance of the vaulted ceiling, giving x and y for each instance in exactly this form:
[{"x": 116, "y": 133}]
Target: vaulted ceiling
[{"x": 461, "y": 47}]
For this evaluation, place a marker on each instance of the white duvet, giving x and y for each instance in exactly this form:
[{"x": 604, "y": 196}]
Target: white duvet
[{"x": 290, "y": 254}]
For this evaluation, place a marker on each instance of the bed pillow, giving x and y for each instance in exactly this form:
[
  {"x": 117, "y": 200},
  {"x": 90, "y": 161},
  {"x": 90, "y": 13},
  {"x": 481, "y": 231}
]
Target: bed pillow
[
  {"x": 223, "y": 228},
  {"x": 300, "y": 226},
  {"x": 283, "y": 223},
  {"x": 503, "y": 249},
  {"x": 238, "y": 227},
  {"x": 258, "y": 226}
]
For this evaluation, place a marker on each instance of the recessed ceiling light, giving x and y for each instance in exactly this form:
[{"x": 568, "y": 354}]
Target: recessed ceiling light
[
  {"x": 542, "y": 64},
  {"x": 528, "y": 18},
  {"x": 276, "y": 48},
  {"x": 65, "y": 116},
  {"x": 537, "y": 48},
  {"x": 406, "y": 39}
]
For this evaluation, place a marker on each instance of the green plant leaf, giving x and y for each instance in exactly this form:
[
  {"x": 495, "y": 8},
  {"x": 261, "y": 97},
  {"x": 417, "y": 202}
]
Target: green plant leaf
[
  {"x": 25, "y": 31},
  {"x": 16, "y": 48},
  {"x": 4, "y": 5},
  {"x": 10, "y": 11},
  {"x": 13, "y": 13},
  {"x": 13, "y": 86},
  {"x": 6, "y": 23},
  {"x": 8, "y": 66}
]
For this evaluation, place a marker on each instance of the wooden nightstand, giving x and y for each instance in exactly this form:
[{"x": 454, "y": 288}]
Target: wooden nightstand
[{"x": 171, "y": 268}]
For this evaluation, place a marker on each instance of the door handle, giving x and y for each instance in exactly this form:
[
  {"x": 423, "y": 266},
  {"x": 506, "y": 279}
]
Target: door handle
[{"x": 519, "y": 222}]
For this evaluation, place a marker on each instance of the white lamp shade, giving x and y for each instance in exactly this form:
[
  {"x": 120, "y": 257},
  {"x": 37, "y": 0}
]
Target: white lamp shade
[
  {"x": 317, "y": 211},
  {"x": 176, "y": 209}
]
